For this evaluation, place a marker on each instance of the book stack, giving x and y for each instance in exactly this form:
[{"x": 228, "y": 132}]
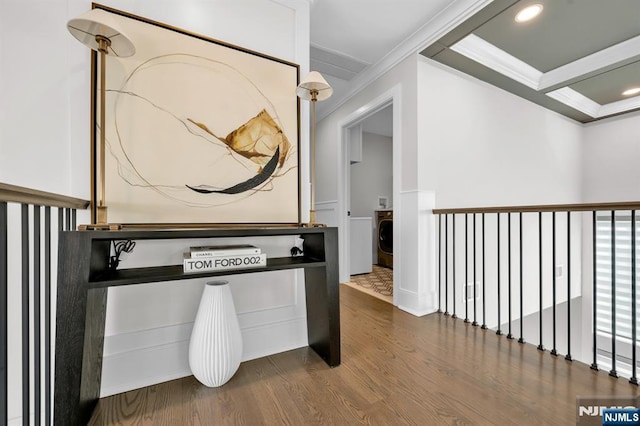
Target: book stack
[{"x": 218, "y": 258}]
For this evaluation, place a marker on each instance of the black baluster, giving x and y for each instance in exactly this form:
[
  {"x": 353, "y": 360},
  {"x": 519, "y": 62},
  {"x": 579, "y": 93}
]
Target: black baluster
[
  {"x": 634, "y": 364},
  {"x": 4, "y": 276},
  {"x": 439, "y": 263},
  {"x": 466, "y": 268},
  {"x": 73, "y": 220},
  {"x": 47, "y": 315},
  {"x": 521, "y": 338},
  {"x": 499, "y": 331},
  {"x": 568, "y": 355},
  {"x": 540, "y": 346},
  {"x": 553, "y": 352},
  {"x": 474, "y": 271},
  {"x": 37, "y": 351},
  {"x": 25, "y": 315},
  {"x": 68, "y": 219},
  {"x": 613, "y": 372},
  {"x": 60, "y": 219},
  {"x": 509, "y": 335},
  {"x": 446, "y": 264},
  {"x": 484, "y": 282},
  {"x": 594, "y": 364},
  {"x": 453, "y": 260}
]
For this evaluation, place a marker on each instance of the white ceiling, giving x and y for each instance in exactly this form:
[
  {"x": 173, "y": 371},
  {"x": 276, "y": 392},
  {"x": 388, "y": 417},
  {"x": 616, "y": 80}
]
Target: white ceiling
[
  {"x": 348, "y": 36},
  {"x": 366, "y": 30}
]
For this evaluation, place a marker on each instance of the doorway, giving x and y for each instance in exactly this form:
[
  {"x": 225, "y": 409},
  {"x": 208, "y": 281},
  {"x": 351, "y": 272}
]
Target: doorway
[{"x": 390, "y": 103}]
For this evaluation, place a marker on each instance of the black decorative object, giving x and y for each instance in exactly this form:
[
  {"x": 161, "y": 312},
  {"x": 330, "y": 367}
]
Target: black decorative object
[{"x": 119, "y": 247}]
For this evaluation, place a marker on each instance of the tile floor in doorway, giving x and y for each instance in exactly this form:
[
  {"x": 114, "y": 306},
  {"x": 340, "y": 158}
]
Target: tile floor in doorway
[{"x": 378, "y": 283}]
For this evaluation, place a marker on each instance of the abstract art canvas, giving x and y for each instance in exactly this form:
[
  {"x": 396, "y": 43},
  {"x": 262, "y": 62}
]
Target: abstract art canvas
[{"x": 198, "y": 132}]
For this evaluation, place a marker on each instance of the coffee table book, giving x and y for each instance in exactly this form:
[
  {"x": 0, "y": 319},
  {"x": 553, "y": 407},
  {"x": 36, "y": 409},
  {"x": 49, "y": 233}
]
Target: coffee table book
[
  {"x": 219, "y": 263},
  {"x": 223, "y": 250}
]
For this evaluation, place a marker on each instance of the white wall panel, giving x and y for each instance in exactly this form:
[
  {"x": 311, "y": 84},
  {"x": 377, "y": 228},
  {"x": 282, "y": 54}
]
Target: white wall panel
[{"x": 481, "y": 146}]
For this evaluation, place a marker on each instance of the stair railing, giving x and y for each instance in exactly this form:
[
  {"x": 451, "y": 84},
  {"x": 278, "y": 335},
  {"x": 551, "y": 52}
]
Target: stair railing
[
  {"x": 30, "y": 221},
  {"x": 525, "y": 265}
]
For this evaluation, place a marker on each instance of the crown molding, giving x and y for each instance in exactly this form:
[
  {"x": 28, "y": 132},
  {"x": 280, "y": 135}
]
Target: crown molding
[
  {"x": 620, "y": 106},
  {"x": 456, "y": 13},
  {"x": 485, "y": 53},
  {"x": 559, "y": 79},
  {"x": 575, "y": 100},
  {"x": 626, "y": 51}
]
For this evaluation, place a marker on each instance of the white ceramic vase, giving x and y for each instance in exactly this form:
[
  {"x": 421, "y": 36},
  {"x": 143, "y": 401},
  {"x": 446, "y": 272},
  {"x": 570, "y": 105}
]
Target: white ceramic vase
[{"x": 215, "y": 349}]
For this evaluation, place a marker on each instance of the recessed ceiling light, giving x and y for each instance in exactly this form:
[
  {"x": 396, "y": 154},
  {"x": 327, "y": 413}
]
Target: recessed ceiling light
[
  {"x": 632, "y": 91},
  {"x": 528, "y": 13}
]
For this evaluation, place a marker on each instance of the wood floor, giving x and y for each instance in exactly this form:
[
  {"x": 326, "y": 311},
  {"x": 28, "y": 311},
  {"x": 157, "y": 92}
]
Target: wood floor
[{"x": 396, "y": 369}]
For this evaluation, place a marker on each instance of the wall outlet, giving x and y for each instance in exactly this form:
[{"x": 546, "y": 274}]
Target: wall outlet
[
  {"x": 469, "y": 292},
  {"x": 559, "y": 271}
]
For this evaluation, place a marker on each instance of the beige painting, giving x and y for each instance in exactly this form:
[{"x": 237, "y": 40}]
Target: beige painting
[{"x": 199, "y": 132}]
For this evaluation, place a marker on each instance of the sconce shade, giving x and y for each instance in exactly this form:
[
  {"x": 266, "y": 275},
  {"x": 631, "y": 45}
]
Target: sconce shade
[
  {"x": 314, "y": 82},
  {"x": 98, "y": 22}
]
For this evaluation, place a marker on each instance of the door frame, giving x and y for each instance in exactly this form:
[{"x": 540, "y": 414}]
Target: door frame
[{"x": 390, "y": 97}]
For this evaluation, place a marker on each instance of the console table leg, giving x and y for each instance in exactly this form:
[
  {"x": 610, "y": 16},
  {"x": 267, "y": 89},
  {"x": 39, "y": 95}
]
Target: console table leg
[
  {"x": 322, "y": 295},
  {"x": 79, "y": 335},
  {"x": 323, "y": 318},
  {"x": 92, "y": 354}
]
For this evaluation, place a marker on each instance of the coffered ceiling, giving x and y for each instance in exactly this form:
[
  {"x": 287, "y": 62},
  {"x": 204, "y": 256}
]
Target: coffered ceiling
[{"x": 577, "y": 57}]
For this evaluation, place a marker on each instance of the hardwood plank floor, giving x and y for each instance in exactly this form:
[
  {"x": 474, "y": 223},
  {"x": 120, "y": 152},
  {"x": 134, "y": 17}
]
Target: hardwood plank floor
[{"x": 396, "y": 369}]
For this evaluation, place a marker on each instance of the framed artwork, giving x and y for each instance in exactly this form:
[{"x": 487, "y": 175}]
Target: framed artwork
[{"x": 198, "y": 132}]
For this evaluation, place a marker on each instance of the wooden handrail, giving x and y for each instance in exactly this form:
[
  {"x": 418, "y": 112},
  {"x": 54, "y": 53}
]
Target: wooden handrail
[
  {"x": 19, "y": 194},
  {"x": 625, "y": 205}
]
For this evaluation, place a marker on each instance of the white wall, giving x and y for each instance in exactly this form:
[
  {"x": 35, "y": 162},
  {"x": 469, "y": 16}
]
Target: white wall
[
  {"x": 610, "y": 158},
  {"x": 481, "y": 146},
  {"x": 44, "y": 84},
  {"x": 373, "y": 176},
  {"x": 44, "y": 140}
]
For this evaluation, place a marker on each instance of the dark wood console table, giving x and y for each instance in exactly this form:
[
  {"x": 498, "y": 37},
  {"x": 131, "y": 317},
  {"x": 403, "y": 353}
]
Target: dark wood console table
[{"x": 84, "y": 277}]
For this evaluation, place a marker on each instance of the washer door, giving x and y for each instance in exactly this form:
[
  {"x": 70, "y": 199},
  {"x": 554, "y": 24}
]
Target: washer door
[{"x": 385, "y": 236}]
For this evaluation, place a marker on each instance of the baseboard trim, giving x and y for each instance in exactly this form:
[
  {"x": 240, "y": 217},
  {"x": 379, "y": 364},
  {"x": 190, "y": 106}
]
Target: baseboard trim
[
  {"x": 415, "y": 312},
  {"x": 409, "y": 301},
  {"x": 125, "y": 369}
]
